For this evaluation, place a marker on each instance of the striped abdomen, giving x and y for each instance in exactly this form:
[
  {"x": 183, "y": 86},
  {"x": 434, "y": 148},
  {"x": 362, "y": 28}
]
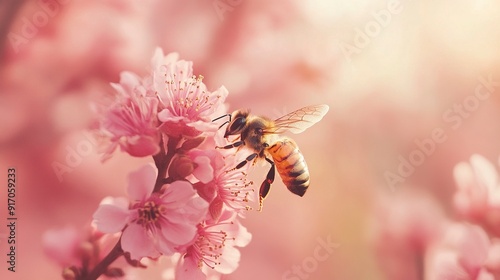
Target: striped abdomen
[{"x": 291, "y": 165}]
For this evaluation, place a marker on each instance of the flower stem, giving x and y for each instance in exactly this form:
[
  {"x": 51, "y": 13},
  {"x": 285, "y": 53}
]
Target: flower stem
[
  {"x": 163, "y": 160},
  {"x": 102, "y": 266}
]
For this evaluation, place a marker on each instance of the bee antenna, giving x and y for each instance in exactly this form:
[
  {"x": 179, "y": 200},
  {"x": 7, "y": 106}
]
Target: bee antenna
[
  {"x": 226, "y": 115},
  {"x": 226, "y": 122}
]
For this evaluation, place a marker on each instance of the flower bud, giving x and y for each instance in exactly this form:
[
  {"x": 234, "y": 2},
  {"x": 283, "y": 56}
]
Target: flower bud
[
  {"x": 191, "y": 143},
  {"x": 114, "y": 272},
  {"x": 70, "y": 273},
  {"x": 181, "y": 167},
  {"x": 86, "y": 250}
]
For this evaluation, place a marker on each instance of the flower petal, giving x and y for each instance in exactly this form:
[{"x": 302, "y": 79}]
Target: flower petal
[
  {"x": 187, "y": 269},
  {"x": 215, "y": 208},
  {"x": 206, "y": 191},
  {"x": 121, "y": 202},
  {"x": 243, "y": 237},
  {"x": 206, "y": 126},
  {"x": 204, "y": 171},
  {"x": 165, "y": 115},
  {"x": 229, "y": 260},
  {"x": 464, "y": 176},
  {"x": 193, "y": 212},
  {"x": 484, "y": 275},
  {"x": 141, "y": 182},
  {"x": 472, "y": 247},
  {"x": 485, "y": 171},
  {"x": 177, "y": 127},
  {"x": 129, "y": 81},
  {"x": 219, "y": 95},
  {"x": 164, "y": 245},
  {"x": 442, "y": 264},
  {"x": 177, "y": 194},
  {"x": 111, "y": 218},
  {"x": 137, "y": 242},
  {"x": 141, "y": 146},
  {"x": 61, "y": 245},
  {"x": 160, "y": 59},
  {"x": 492, "y": 262},
  {"x": 179, "y": 234}
]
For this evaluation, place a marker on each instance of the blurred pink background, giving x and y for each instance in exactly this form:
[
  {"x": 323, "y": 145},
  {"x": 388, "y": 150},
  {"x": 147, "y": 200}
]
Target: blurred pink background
[{"x": 388, "y": 84}]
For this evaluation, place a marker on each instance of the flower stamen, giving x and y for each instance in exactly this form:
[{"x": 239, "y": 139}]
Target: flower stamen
[{"x": 149, "y": 213}]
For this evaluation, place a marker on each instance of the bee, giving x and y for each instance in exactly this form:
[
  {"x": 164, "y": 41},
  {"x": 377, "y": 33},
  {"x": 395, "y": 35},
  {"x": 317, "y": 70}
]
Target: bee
[{"x": 264, "y": 137}]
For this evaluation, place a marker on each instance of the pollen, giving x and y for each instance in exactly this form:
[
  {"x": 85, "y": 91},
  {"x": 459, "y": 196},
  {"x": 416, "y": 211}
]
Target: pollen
[{"x": 149, "y": 213}]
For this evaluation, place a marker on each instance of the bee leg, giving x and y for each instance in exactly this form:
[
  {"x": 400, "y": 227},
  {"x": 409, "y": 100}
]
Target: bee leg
[
  {"x": 266, "y": 184},
  {"x": 230, "y": 146},
  {"x": 248, "y": 159},
  {"x": 241, "y": 164}
]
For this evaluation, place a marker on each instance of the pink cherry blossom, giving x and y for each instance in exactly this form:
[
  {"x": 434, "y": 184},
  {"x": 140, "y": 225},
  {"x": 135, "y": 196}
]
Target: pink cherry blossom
[
  {"x": 492, "y": 263},
  {"x": 214, "y": 248},
  {"x": 77, "y": 250},
  {"x": 63, "y": 245},
  {"x": 478, "y": 192},
  {"x": 404, "y": 225},
  {"x": 131, "y": 121},
  {"x": 221, "y": 184},
  {"x": 152, "y": 223},
  {"x": 188, "y": 107},
  {"x": 460, "y": 254}
]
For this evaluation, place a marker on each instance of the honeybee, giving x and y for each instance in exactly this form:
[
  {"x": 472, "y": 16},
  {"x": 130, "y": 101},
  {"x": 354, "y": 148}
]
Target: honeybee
[{"x": 263, "y": 136}]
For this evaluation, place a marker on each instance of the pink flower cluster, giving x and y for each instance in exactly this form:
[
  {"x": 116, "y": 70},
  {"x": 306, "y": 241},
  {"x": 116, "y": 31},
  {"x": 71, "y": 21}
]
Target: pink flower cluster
[
  {"x": 76, "y": 251},
  {"x": 425, "y": 244},
  {"x": 478, "y": 195},
  {"x": 171, "y": 101},
  {"x": 190, "y": 201}
]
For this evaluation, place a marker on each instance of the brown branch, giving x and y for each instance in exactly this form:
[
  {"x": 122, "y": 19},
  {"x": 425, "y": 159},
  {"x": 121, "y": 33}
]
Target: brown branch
[
  {"x": 102, "y": 266},
  {"x": 163, "y": 160}
]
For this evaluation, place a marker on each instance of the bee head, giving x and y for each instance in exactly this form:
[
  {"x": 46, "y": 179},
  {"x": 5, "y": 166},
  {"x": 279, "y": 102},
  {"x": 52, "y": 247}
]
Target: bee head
[{"x": 237, "y": 124}]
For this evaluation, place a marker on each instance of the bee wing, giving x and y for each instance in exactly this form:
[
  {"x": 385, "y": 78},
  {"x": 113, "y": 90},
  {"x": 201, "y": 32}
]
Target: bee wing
[{"x": 299, "y": 120}]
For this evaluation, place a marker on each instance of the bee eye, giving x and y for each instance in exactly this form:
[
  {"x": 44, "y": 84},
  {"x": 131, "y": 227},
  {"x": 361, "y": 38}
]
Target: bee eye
[
  {"x": 237, "y": 125},
  {"x": 259, "y": 130}
]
